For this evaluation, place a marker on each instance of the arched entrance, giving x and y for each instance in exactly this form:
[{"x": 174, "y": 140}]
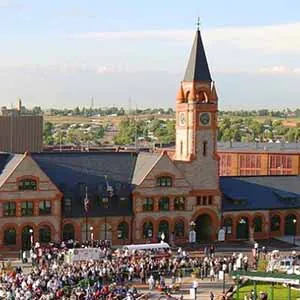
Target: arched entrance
[
  {"x": 163, "y": 227},
  {"x": 242, "y": 229},
  {"x": 203, "y": 228},
  {"x": 290, "y": 225},
  {"x": 68, "y": 232},
  {"x": 27, "y": 238}
]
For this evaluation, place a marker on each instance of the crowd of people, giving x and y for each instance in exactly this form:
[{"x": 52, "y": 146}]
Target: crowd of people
[{"x": 111, "y": 277}]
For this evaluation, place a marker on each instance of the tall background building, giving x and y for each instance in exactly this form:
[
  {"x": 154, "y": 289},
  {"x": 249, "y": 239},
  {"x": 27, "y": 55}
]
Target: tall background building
[{"x": 20, "y": 130}]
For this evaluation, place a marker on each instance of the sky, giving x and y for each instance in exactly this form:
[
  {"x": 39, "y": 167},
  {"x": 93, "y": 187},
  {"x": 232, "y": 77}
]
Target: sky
[{"x": 61, "y": 53}]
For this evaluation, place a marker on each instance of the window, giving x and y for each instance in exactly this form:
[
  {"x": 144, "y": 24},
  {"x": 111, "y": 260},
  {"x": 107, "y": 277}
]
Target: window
[
  {"x": 148, "y": 204},
  {"x": 123, "y": 231},
  {"x": 27, "y": 208},
  {"x": 179, "y": 203},
  {"x": 198, "y": 200},
  {"x": 181, "y": 148},
  {"x": 45, "y": 207},
  {"x": 147, "y": 230},
  {"x": 275, "y": 223},
  {"x": 45, "y": 234},
  {"x": 105, "y": 202},
  {"x": 210, "y": 200},
  {"x": 250, "y": 164},
  {"x": 257, "y": 224},
  {"x": 67, "y": 202},
  {"x": 179, "y": 229},
  {"x": 27, "y": 184},
  {"x": 204, "y": 200},
  {"x": 9, "y": 209},
  {"x": 204, "y": 148},
  {"x": 164, "y": 204},
  {"x": 228, "y": 225},
  {"x": 164, "y": 181},
  {"x": 68, "y": 232},
  {"x": 10, "y": 236}
]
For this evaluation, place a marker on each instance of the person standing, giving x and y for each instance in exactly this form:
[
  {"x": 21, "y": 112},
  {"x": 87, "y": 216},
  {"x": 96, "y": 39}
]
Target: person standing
[{"x": 211, "y": 295}]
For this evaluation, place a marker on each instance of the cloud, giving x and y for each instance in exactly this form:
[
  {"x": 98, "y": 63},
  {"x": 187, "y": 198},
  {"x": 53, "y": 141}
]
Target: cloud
[
  {"x": 283, "y": 38},
  {"x": 282, "y": 70}
]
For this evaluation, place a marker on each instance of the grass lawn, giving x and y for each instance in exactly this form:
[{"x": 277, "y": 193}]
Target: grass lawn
[{"x": 280, "y": 292}]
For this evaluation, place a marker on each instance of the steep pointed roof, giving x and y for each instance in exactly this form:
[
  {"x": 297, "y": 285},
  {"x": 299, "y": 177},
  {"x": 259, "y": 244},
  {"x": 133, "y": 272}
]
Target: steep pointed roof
[{"x": 197, "y": 68}]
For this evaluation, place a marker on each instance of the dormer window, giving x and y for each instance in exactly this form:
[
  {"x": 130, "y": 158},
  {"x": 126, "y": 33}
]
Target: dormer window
[
  {"x": 27, "y": 184},
  {"x": 164, "y": 181}
]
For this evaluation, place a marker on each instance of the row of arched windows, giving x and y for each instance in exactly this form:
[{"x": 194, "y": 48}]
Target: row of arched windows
[
  {"x": 10, "y": 235},
  {"x": 257, "y": 224},
  {"x": 164, "y": 204},
  {"x": 163, "y": 227}
]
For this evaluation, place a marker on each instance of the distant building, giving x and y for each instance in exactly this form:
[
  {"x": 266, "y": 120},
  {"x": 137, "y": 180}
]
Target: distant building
[{"x": 20, "y": 130}]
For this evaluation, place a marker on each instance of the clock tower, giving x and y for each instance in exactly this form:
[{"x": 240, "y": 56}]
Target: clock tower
[{"x": 196, "y": 111}]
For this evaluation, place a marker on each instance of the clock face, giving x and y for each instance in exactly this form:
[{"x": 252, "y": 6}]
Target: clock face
[
  {"x": 182, "y": 118},
  {"x": 204, "y": 118}
]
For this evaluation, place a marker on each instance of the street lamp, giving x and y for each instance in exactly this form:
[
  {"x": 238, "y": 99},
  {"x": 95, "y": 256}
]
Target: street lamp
[
  {"x": 162, "y": 236},
  {"x": 92, "y": 235},
  {"x": 295, "y": 232},
  {"x": 192, "y": 234},
  {"x": 31, "y": 237}
]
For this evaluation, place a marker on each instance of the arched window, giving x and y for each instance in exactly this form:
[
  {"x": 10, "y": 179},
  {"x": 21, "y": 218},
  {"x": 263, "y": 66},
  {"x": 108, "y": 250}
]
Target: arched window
[
  {"x": 68, "y": 232},
  {"x": 179, "y": 203},
  {"x": 257, "y": 224},
  {"x": 27, "y": 184},
  {"x": 290, "y": 225},
  {"x": 164, "y": 204},
  {"x": 10, "y": 236},
  {"x": 148, "y": 204},
  {"x": 163, "y": 229},
  {"x": 67, "y": 204},
  {"x": 123, "y": 231},
  {"x": 147, "y": 230},
  {"x": 179, "y": 229},
  {"x": 228, "y": 225},
  {"x": 85, "y": 232},
  {"x": 45, "y": 234},
  {"x": 275, "y": 223},
  {"x": 164, "y": 181}
]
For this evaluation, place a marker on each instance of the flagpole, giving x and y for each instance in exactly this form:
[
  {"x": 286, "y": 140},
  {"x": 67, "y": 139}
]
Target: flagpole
[{"x": 86, "y": 214}]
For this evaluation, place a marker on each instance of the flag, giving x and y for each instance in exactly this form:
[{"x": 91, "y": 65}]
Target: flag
[
  {"x": 86, "y": 201},
  {"x": 109, "y": 188}
]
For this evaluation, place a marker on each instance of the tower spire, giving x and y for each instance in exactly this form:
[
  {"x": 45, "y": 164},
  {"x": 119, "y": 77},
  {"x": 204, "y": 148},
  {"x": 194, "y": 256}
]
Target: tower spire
[{"x": 197, "y": 68}]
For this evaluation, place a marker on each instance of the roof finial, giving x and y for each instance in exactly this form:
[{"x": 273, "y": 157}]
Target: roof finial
[{"x": 198, "y": 23}]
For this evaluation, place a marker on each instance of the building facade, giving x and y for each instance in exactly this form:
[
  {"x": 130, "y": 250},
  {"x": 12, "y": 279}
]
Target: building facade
[
  {"x": 148, "y": 196},
  {"x": 259, "y": 159},
  {"x": 20, "y": 131}
]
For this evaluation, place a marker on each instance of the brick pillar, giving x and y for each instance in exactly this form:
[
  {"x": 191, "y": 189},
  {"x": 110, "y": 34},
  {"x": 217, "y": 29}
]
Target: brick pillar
[
  {"x": 234, "y": 164},
  {"x": 295, "y": 164},
  {"x": 171, "y": 203},
  {"x": 264, "y": 164},
  {"x": 156, "y": 203}
]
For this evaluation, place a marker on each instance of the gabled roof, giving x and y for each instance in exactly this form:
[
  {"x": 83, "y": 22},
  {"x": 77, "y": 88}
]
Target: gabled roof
[
  {"x": 260, "y": 192},
  {"x": 144, "y": 163},
  {"x": 197, "y": 68},
  {"x": 8, "y": 162}
]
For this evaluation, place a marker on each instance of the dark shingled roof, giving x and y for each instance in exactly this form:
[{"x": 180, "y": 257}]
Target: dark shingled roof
[
  {"x": 71, "y": 171},
  {"x": 197, "y": 68},
  {"x": 260, "y": 192}
]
